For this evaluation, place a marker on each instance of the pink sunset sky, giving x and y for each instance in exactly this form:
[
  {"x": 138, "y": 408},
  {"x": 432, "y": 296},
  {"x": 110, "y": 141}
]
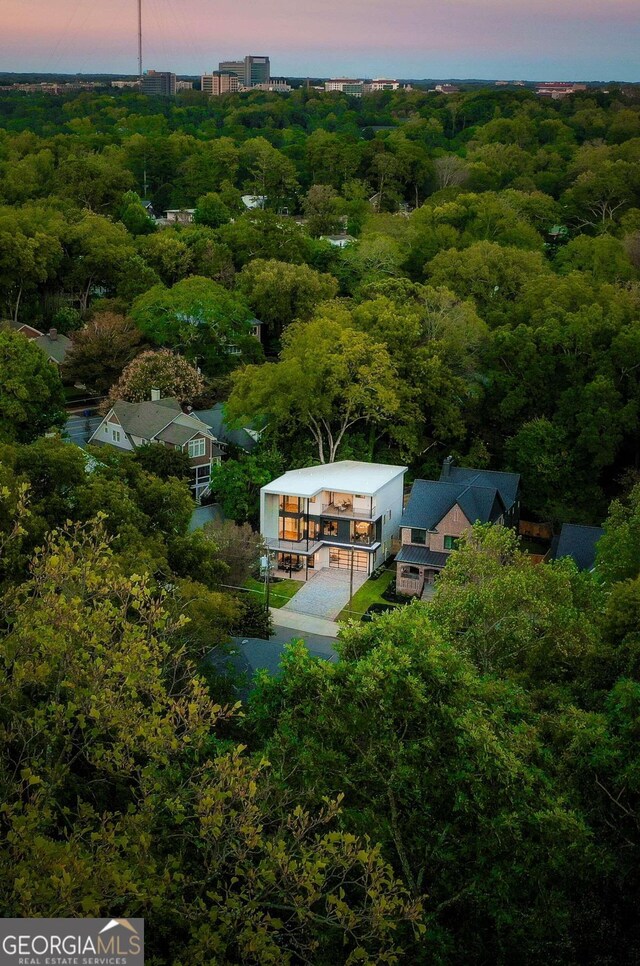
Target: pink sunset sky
[{"x": 535, "y": 40}]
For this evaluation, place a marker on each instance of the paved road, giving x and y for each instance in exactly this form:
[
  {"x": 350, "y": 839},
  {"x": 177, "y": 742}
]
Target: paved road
[
  {"x": 325, "y": 594},
  {"x": 79, "y": 429},
  {"x": 250, "y": 654},
  {"x": 304, "y": 625}
]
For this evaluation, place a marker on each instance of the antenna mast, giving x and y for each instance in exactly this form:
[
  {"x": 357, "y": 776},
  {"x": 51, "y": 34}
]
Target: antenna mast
[{"x": 140, "y": 40}]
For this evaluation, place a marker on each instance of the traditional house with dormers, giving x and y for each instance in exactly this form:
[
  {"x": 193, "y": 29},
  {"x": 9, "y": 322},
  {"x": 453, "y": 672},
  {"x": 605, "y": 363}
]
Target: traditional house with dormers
[
  {"x": 163, "y": 421},
  {"x": 439, "y": 512}
]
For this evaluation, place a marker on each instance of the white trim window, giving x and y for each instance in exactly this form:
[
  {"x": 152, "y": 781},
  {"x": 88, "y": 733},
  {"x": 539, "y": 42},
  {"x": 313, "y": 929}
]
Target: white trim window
[
  {"x": 115, "y": 435},
  {"x": 196, "y": 448}
]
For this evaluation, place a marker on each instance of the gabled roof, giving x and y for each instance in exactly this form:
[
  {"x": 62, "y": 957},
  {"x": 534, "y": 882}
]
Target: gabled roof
[
  {"x": 56, "y": 348},
  {"x": 507, "y": 484},
  {"x": 178, "y": 435},
  {"x": 431, "y": 500},
  {"x": 577, "y": 542},
  {"x": 146, "y": 419}
]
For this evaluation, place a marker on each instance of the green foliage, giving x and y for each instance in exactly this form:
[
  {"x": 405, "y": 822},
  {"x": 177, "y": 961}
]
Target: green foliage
[
  {"x": 236, "y": 483},
  {"x": 329, "y": 378},
  {"x": 31, "y": 395},
  {"x": 212, "y": 211},
  {"x": 280, "y": 293},
  {"x": 201, "y": 319},
  {"x": 114, "y": 770}
]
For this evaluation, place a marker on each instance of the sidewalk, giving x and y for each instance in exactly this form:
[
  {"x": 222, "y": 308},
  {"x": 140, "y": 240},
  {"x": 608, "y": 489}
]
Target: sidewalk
[{"x": 305, "y": 623}]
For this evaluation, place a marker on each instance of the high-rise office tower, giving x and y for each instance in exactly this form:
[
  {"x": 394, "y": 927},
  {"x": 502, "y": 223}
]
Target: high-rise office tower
[
  {"x": 252, "y": 70},
  {"x": 159, "y": 82},
  {"x": 257, "y": 70}
]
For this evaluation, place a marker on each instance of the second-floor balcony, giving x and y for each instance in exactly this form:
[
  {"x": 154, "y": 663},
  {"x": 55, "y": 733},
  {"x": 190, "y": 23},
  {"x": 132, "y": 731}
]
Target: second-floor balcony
[
  {"x": 342, "y": 508},
  {"x": 302, "y": 546}
]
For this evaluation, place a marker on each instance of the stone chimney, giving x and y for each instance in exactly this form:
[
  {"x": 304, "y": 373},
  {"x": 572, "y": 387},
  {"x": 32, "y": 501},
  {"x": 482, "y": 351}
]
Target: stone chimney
[
  {"x": 447, "y": 463},
  {"x": 156, "y": 395},
  {"x": 53, "y": 334}
]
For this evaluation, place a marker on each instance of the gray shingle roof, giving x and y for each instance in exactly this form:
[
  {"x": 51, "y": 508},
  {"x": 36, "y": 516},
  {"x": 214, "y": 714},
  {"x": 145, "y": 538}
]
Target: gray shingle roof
[
  {"x": 579, "y": 543},
  {"x": 146, "y": 419},
  {"x": 177, "y": 435},
  {"x": 215, "y": 419},
  {"x": 506, "y": 484},
  {"x": 430, "y": 501},
  {"x": 421, "y": 556},
  {"x": 55, "y": 349}
]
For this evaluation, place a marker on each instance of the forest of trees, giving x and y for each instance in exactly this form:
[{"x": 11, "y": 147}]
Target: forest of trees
[
  {"x": 462, "y": 785},
  {"x": 489, "y": 303}
]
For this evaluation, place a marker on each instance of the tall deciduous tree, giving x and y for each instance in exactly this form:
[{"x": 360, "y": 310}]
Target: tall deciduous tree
[
  {"x": 330, "y": 378},
  {"x": 279, "y": 293},
  {"x": 113, "y": 773},
  {"x": 163, "y": 370},
  {"x": 101, "y": 350}
]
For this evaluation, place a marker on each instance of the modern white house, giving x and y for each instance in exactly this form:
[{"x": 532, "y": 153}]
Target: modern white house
[{"x": 337, "y": 515}]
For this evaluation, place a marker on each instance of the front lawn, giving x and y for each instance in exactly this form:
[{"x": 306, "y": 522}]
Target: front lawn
[
  {"x": 369, "y": 593},
  {"x": 281, "y": 590}
]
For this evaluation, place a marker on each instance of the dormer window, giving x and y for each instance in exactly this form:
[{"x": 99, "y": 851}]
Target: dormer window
[{"x": 196, "y": 448}]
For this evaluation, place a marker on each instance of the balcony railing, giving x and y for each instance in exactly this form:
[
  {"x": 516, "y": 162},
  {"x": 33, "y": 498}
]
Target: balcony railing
[
  {"x": 410, "y": 585},
  {"x": 293, "y": 546},
  {"x": 342, "y": 510}
]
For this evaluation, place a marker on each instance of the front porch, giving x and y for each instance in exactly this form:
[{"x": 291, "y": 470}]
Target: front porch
[{"x": 417, "y": 569}]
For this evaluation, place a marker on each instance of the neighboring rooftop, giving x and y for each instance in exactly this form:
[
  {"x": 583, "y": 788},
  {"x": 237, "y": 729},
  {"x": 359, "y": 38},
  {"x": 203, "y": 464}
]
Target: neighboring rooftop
[
  {"x": 431, "y": 500},
  {"x": 577, "y": 542},
  {"x": 53, "y": 343},
  {"x": 346, "y": 476},
  {"x": 146, "y": 419},
  {"x": 245, "y": 438},
  {"x": 507, "y": 484}
]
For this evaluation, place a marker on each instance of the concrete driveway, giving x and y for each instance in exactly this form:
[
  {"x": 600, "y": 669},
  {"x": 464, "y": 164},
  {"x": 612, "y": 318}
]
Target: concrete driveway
[{"x": 326, "y": 593}]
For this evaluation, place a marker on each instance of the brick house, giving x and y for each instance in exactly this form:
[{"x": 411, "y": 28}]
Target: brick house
[{"x": 439, "y": 512}]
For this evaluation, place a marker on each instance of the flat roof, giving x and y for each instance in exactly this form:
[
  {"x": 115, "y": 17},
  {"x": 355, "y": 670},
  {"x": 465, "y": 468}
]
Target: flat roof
[{"x": 346, "y": 476}]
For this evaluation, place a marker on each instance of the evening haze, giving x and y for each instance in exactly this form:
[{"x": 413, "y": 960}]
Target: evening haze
[{"x": 539, "y": 39}]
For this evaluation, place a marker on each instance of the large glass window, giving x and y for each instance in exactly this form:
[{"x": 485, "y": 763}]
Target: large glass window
[
  {"x": 418, "y": 536},
  {"x": 291, "y": 528},
  {"x": 291, "y": 504},
  {"x": 329, "y": 528},
  {"x": 362, "y": 533}
]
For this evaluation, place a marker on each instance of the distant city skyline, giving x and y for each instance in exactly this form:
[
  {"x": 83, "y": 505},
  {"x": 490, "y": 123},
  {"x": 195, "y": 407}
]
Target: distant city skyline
[{"x": 494, "y": 39}]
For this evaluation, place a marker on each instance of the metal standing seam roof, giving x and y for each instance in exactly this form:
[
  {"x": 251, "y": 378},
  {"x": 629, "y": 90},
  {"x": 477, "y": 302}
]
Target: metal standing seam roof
[{"x": 421, "y": 556}]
